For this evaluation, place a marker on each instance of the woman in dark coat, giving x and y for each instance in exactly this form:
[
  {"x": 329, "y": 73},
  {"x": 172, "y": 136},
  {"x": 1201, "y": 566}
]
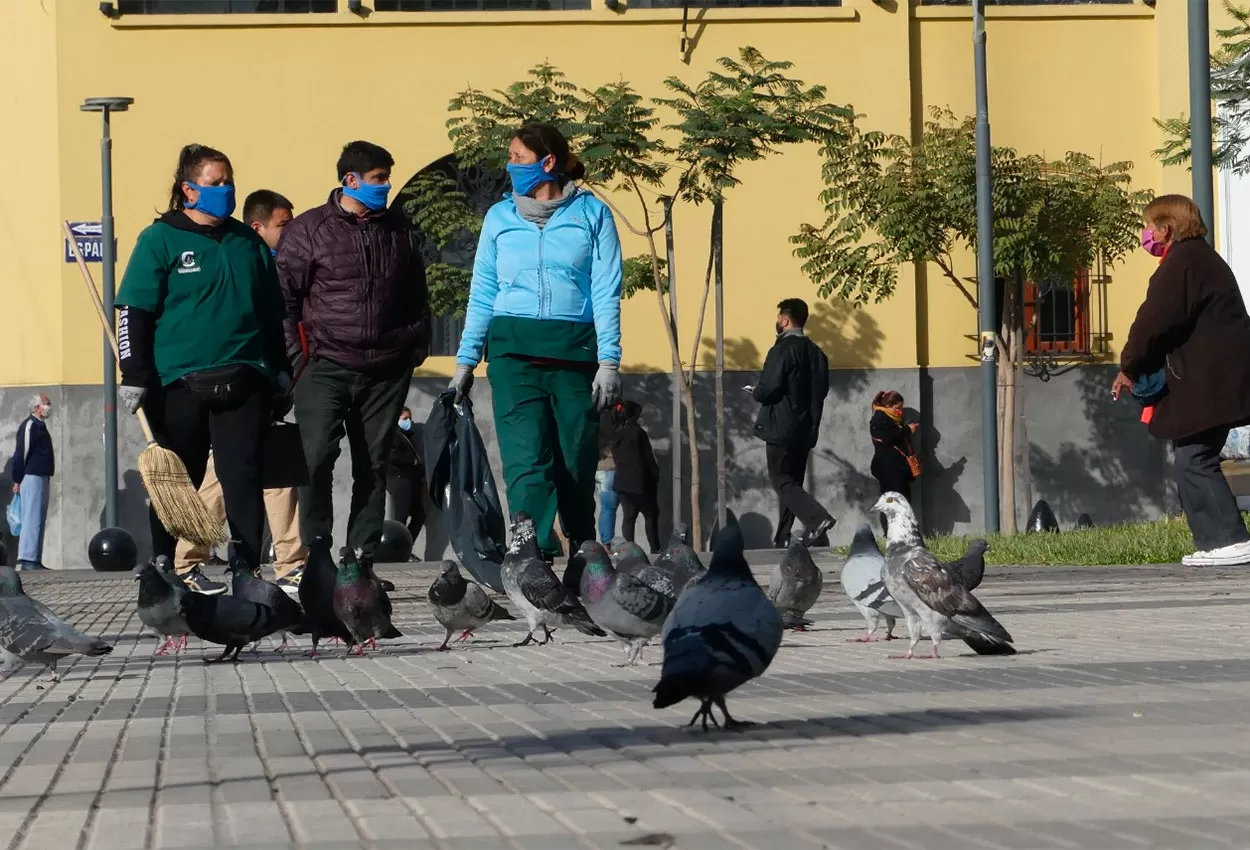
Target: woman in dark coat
[
  {"x": 637, "y": 476},
  {"x": 891, "y": 442},
  {"x": 1194, "y": 327},
  {"x": 405, "y": 477}
]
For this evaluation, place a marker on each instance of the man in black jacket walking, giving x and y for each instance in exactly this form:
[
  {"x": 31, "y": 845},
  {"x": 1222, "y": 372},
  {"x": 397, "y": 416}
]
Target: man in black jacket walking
[{"x": 791, "y": 392}]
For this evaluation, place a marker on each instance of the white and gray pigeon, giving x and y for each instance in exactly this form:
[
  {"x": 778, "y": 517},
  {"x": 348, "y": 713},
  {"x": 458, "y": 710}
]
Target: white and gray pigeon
[
  {"x": 864, "y": 586},
  {"x": 31, "y": 632},
  {"x": 160, "y": 605},
  {"x": 461, "y": 605},
  {"x": 629, "y": 552},
  {"x": 621, "y": 604},
  {"x": 722, "y": 634},
  {"x": 933, "y": 601},
  {"x": 795, "y": 586},
  {"x": 536, "y": 591},
  {"x": 679, "y": 560},
  {"x": 970, "y": 569}
]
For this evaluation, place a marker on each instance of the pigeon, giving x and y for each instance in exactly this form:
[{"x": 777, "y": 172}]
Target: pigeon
[
  {"x": 680, "y": 560},
  {"x": 862, "y": 581},
  {"x": 31, "y": 632},
  {"x": 316, "y": 596},
  {"x": 1084, "y": 521},
  {"x": 461, "y": 604},
  {"x": 360, "y": 603},
  {"x": 535, "y": 590},
  {"x": 795, "y": 586},
  {"x": 629, "y": 551},
  {"x": 245, "y": 584},
  {"x": 160, "y": 604},
  {"x": 970, "y": 569},
  {"x": 231, "y": 622},
  {"x": 722, "y": 633},
  {"x": 1042, "y": 519},
  {"x": 933, "y": 601},
  {"x": 622, "y": 604}
]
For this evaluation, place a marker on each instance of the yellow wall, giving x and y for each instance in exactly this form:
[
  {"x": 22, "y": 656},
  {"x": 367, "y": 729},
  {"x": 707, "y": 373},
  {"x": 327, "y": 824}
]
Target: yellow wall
[{"x": 281, "y": 93}]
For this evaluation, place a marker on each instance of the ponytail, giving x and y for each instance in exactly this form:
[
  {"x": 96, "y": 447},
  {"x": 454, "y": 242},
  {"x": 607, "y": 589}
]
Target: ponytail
[
  {"x": 547, "y": 141},
  {"x": 191, "y": 159}
]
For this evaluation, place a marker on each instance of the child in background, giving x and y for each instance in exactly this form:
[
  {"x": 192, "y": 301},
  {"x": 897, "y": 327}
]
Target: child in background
[{"x": 637, "y": 476}]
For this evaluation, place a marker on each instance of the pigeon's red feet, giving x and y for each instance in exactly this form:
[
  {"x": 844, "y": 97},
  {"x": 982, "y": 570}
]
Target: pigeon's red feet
[
  {"x": 165, "y": 646},
  {"x": 360, "y": 650},
  {"x": 182, "y": 644},
  {"x": 372, "y": 644},
  {"x": 310, "y": 653},
  {"x": 467, "y": 634}
]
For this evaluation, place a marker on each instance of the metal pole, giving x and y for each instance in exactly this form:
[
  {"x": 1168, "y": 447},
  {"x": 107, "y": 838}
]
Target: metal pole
[
  {"x": 985, "y": 277},
  {"x": 110, "y": 288},
  {"x": 718, "y": 224},
  {"x": 675, "y": 435},
  {"x": 106, "y": 106},
  {"x": 1200, "y": 112}
]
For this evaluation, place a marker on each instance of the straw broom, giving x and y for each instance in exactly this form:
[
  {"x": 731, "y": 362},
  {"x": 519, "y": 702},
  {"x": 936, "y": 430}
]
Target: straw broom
[{"x": 173, "y": 496}]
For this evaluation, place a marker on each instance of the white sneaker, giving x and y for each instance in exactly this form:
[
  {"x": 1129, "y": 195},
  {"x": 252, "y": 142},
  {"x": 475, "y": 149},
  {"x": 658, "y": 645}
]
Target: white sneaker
[{"x": 1226, "y": 556}]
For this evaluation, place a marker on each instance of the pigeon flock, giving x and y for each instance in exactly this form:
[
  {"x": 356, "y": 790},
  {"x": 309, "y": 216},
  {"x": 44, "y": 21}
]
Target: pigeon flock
[{"x": 717, "y": 627}]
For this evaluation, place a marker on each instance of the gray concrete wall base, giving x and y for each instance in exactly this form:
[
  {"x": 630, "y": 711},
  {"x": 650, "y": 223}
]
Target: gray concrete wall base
[{"x": 1083, "y": 453}]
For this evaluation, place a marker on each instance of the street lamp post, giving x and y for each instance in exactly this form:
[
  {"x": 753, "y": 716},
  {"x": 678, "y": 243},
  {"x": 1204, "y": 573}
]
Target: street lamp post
[
  {"x": 985, "y": 277},
  {"x": 106, "y": 106},
  {"x": 1200, "y": 111}
]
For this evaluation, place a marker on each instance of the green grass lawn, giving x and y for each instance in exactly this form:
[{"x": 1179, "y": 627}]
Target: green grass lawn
[{"x": 1162, "y": 542}]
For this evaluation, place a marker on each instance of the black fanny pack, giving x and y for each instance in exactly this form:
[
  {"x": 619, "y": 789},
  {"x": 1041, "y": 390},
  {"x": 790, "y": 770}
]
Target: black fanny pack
[{"x": 224, "y": 385}]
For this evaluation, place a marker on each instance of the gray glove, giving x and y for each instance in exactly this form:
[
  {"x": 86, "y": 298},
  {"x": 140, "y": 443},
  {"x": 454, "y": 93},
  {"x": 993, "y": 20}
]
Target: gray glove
[
  {"x": 462, "y": 381},
  {"x": 606, "y": 389},
  {"x": 131, "y": 397}
]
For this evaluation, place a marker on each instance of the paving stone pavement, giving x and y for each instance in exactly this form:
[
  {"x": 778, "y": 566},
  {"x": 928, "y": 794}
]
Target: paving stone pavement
[{"x": 1122, "y": 723}]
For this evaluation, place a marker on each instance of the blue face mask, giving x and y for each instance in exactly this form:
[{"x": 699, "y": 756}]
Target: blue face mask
[
  {"x": 217, "y": 201},
  {"x": 372, "y": 195},
  {"x": 405, "y": 424},
  {"x": 527, "y": 178}
]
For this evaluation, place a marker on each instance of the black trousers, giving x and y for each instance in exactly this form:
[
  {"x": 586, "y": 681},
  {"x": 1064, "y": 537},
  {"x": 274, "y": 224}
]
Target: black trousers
[
  {"x": 234, "y": 429},
  {"x": 405, "y": 488},
  {"x": 1209, "y": 505},
  {"x": 892, "y": 478},
  {"x": 331, "y": 401},
  {"x": 786, "y": 469},
  {"x": 648, "y": 506}
]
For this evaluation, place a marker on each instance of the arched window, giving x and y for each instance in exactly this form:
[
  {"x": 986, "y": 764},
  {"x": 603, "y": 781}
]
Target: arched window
[{"x": 446, "y": 204}]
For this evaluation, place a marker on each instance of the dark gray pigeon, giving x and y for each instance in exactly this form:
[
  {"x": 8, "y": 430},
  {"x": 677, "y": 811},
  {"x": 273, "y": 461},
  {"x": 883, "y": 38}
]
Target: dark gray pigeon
[
  {"x": 29, "y": 631},
  {"x": 244, "y": 584},
  {"x": 970, "y": 569},
  {"x": 316, "y": 597},
  {"x": 621, "y": 604},
  {"x": 1084, "y": 521},
  {"x": 160, "y": 604},
  {"x": 722, "y": 634},
  {"x": 231, "y": 622},
  {"x": 461, "y": 605},
  {"x": 795, "y": 586},
  {"x": 629, "y": 552},
  {"x": 933, "y": 601},
  {"x": 535, "y": 590},
  {"x": 360, "y": 602},
  {"x": 1042, "y": 519},
  {"x": 679, "y": 560},
  {"x": 864, "y": 586}
]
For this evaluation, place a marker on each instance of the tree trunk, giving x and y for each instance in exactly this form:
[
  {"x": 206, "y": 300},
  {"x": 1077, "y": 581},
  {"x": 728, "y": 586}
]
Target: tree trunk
[{"x": 1011, "y": 334}]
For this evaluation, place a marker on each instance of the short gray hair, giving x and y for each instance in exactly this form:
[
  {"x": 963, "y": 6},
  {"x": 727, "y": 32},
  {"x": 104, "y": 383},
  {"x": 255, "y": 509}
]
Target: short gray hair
[{"x": 38, "y": 400}]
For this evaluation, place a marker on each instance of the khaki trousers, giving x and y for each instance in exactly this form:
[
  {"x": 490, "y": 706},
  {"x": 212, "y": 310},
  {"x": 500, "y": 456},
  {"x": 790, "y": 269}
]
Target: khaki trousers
[{"x": 282, "y": 508}]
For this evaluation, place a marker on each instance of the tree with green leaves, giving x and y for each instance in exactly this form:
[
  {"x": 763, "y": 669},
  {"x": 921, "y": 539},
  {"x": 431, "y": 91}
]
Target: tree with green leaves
[
  {"x": 889, "y": 202},
  {"x": 740, "y": 115},
  {"x": 1230, "y": 89}
]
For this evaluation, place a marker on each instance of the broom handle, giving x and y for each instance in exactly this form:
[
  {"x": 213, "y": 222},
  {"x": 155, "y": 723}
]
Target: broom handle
[{"x": 89, "y": 281}]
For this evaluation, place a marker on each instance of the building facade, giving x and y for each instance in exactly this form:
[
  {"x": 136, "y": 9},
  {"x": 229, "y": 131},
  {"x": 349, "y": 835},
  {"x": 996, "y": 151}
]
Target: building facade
[{"x": 280, "y": 85}]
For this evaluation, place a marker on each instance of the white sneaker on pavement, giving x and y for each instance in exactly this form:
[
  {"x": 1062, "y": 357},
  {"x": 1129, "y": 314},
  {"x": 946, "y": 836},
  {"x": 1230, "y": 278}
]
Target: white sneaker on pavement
[{"x": 1226, "y": 556}]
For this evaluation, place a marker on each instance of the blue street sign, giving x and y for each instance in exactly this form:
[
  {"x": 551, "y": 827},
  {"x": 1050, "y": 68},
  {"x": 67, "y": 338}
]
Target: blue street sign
[{"x": 90, "y": 239}]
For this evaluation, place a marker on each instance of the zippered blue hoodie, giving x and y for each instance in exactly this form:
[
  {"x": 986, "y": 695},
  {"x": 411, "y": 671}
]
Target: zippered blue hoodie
[{"x": 569, "y": 270}]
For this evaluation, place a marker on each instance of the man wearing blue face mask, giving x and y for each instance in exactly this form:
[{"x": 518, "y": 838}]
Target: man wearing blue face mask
[{"x": 354, "y": 285}]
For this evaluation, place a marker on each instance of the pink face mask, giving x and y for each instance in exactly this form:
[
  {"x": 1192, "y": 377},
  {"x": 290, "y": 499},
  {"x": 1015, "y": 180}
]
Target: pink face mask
[{"x": 1154, "y": 248}]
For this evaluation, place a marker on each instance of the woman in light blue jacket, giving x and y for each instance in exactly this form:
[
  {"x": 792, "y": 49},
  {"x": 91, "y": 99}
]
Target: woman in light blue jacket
[{"x": 545, "y": 312}]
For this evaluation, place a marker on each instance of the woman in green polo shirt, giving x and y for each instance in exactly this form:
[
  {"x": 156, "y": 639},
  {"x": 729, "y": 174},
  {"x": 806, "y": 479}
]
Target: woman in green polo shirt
[{"x": 200, "y": 338}]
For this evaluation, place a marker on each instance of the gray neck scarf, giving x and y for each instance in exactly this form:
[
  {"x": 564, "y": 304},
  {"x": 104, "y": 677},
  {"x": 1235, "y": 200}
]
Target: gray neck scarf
[{"x": 532, "y": 209}]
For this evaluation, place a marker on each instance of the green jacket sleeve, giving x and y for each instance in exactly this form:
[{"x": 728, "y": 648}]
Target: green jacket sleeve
[
  {"x": 271, "y": 307},
  {"x": 146, "y": 280}
]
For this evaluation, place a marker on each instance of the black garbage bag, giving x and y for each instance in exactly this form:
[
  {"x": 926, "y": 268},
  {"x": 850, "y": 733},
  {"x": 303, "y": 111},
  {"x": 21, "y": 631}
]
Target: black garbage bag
[{"x": 463, "y": 487}]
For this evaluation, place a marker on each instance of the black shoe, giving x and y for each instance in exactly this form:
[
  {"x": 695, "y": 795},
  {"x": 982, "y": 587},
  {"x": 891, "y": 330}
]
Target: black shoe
[
  {"x": 820, "y": 532},
  {"x": 781, "y": 541},
  {"x": 290, "y": 582},
  {"x": 195, "y": 580},
  {"x": 388, "y": 586}
]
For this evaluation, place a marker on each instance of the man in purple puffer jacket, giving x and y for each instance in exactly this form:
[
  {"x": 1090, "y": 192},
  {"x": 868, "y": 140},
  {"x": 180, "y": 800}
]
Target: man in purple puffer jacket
[{"x": 358, "y": 311}]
